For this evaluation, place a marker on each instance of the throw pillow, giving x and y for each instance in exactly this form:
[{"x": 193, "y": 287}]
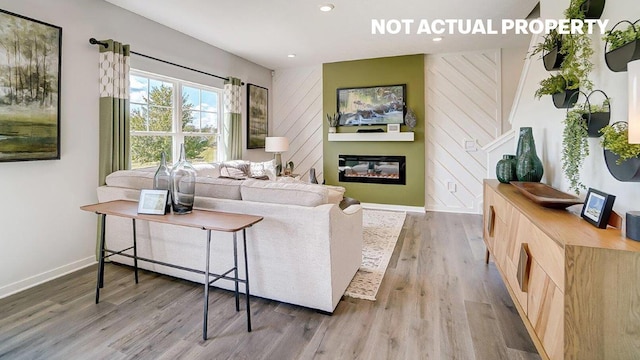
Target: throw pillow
[
  {"x": 210, "y": 170},
  {"x": 263, "y": 170},
  {"x": 235, "y": 169}
]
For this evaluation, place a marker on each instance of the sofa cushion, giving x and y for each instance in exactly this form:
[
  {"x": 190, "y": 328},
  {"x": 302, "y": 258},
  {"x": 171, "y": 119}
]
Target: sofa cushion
[
  {"x": 133, "y": 179},
  {"x": 284, "y": 193},
  {"x": 235, "y": 169},
  {"x": 210, "y": 170},
  {"x": 336, "y": 193},
  {"x": 218, "y": 188}
]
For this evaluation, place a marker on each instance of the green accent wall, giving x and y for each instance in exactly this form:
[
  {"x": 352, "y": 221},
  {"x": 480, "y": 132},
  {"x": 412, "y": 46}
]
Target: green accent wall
[{"x": 407, "y": 70}]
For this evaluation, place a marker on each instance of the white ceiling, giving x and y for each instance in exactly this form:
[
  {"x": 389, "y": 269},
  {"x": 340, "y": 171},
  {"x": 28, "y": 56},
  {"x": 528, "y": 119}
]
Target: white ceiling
[{"x": 266, "y": 31}]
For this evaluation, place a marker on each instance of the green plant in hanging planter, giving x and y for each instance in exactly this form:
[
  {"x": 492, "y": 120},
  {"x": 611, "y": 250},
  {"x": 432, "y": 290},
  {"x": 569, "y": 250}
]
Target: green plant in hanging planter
[
  {"x": 549, "y": 44},
  {"x": 619, "y": 38},
  {"x": 615, "y": 138},
  {"x": 556, "y": 84},
  {"x": 575, "y": 147},
  {"x": 575, "y": 10}
]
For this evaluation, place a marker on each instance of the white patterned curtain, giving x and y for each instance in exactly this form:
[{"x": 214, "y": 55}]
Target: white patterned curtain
[
  {"x": 114, "y": 109},
  {"x": 232, "y": 119}
]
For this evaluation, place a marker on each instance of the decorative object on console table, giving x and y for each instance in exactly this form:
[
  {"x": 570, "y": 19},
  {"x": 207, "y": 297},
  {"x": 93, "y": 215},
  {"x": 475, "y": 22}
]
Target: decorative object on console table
[
  {"x": 289, "y": 168},
  {"x": 633, "y": 225},
  {"x": 622, "y": 46},
  {"x": 312, "y": 176},
  {"x": 597, "y": 208},
  {"x": 257, "y": 116},
  {"x": 506, "y": 169},
  {"x": 277, "y": 145},
  {"x": 30, "y": 97},
  {"x": 411, "y": 120},
  {"x": 529, "y": 166},
  {"x": 153, "y": 202},
  {"x": 162, "y": 179},
  {"x": 546, "y": 196},
  {"x": 183, "y": 185}
]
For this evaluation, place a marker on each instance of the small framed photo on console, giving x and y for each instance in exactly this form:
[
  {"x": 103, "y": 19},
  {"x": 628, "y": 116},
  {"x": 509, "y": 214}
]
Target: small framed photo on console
[
  {"x": 153, "y": 202},
  {"x": 597, "y": 208}
]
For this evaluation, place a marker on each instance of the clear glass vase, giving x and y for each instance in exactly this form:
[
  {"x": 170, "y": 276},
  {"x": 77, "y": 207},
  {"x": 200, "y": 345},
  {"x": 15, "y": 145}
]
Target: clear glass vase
[
  {"x": 162, "y": 179},
  {"x": 183, "y": 185}
]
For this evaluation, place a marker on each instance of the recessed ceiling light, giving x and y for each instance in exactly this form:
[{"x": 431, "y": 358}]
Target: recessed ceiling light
[
  {"x": 291, "y": 55},
  {"x": 326, "y": 7},
  {"x": 436, "y": 39}
]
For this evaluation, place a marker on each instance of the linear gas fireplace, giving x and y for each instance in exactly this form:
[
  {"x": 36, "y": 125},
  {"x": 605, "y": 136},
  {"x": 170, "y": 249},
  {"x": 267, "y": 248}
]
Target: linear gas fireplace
[{"x": 372, "y": 169}]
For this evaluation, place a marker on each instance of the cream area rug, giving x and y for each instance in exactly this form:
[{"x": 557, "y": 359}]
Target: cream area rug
[{"x": 381, "y": 231}]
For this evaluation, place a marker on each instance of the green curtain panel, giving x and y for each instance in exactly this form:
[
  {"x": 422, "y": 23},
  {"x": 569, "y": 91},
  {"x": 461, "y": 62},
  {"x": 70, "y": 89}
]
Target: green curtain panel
[
  {"x": 114, "y": 109},
  {"x": 232, "y": 119}
]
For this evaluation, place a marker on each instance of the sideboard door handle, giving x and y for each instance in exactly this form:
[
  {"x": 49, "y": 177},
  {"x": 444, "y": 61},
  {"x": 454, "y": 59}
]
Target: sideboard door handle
[
  {"x": 492, "y": 220},
  {"x": 524, "y": 267}
]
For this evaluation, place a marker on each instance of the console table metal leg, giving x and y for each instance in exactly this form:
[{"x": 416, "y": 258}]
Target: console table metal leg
[
  {"x": 100, "y": 280},
  {"x": 206, "y": 288},
  {"x": 135, "y": 252},
  {"x": 246, "y": 277},
  {"x": 235, "y": 266}
]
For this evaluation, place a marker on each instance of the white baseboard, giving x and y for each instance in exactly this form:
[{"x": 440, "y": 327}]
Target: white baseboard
[
  {"x": 45, "y": 276},
  {"x": 393, "y": 207},
  {"x": 455, "y": 211}
]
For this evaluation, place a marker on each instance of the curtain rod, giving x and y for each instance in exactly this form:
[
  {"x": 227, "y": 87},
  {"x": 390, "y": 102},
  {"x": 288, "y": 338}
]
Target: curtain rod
[{"x": 93, "y": 41}]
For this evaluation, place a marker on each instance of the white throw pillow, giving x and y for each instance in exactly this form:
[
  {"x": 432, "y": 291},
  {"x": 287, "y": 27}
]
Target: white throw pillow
[
  {"x": 261, "y": 169},
  {"x": 207, "y": 170}
]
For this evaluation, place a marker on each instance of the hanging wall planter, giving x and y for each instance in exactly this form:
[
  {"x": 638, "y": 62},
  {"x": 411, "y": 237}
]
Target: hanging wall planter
[
  {"x": 566, "y": 99},
  {"x": 627, "y": 171},
  {"x": 553, "y": 59},
  {"x": 593, "y": 9},
  {"x": 621, "y": 54},
  {"x": 596, "y": 120}
]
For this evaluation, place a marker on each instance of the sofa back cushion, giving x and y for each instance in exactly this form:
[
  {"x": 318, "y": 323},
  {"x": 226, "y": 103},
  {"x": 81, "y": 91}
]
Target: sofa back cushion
[
  {"x": 218, "y": 188},
  {"x": 277, "y": 192},
  {"x": 132, "y": 179}
]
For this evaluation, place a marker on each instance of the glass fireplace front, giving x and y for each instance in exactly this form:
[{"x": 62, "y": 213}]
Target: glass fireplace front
[{"x": 372, "y": 169}]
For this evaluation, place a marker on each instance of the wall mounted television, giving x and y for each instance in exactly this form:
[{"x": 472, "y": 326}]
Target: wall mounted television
[{"x": 372, "y": 105}]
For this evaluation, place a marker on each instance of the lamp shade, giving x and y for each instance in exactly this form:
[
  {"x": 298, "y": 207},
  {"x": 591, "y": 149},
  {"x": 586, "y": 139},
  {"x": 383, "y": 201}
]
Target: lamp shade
[
  {"x": 634, "y": 101},
  {"x": 276, "y": 144}
]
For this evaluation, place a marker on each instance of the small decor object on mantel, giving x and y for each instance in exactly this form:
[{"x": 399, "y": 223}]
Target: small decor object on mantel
[
  {"x": 411, "y": 120},
  {"x": 597, "y": 208},
  {"x": 333, "y": 122},
  {"x": 529, "y": 166},
  {"x": 183, "y": 185},
  {"x": 393, "y": 128}
]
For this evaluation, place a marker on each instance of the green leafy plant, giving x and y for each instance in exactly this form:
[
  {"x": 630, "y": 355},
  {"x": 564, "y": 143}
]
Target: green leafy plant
[
  {"x": 332, "y": 120},
  {"x": 619, "y": 38},
  {"x": 575, "y": 10},
  {"x": 615, "y": 139},
  {"x": 575, "y": 147},
  {"x": 556, "y": 84},
  {"x": 551, "y": 41}
]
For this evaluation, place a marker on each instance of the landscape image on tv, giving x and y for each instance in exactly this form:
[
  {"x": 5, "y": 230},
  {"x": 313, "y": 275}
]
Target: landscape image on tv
[{"x": 379, "y": 105}]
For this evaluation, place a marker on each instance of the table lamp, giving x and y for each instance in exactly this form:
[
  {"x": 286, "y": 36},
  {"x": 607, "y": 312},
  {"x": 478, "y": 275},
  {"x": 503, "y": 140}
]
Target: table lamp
[
  {"x": 277, "y": 145},
  {"x": 634, "y": 101}
]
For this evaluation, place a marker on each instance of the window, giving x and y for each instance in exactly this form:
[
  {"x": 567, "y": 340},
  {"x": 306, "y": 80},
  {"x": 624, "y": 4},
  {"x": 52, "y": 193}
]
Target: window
[{"x": 167, "y": 112}]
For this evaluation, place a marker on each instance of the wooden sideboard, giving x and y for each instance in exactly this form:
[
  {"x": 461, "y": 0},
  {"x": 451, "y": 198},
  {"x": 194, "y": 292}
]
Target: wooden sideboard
[{"x": 576, "y": 287}]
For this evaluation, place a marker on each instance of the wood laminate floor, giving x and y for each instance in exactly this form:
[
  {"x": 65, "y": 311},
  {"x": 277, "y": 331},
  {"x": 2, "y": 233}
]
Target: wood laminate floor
[{"x": 437, "y": 301}]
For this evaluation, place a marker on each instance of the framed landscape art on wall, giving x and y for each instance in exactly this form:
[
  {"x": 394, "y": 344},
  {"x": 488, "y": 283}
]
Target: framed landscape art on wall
[
  {"x": 30, "y": 59},
  {"x": 257, "y": 116}
]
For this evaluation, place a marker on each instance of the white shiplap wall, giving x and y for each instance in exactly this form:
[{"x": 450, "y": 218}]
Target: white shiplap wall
[
  {"x": 297, "y": 114},
  {"x": 463, "y": 102}
]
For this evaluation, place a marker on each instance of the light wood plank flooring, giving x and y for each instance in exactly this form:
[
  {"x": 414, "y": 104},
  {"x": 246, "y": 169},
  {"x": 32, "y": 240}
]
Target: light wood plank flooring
[{"x": 437, "y": 301}]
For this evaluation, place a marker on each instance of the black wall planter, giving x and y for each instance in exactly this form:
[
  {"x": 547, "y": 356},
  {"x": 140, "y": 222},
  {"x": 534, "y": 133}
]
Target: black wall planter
[
  {"x": 596, "y": 120},
  {"x": 593, "y": 9},
  {"x": 553, "y": 59},
  {"x": 617, "y": 59},
  {"x": 566, "y": 99},
  {"x": 628, "y": 171}
]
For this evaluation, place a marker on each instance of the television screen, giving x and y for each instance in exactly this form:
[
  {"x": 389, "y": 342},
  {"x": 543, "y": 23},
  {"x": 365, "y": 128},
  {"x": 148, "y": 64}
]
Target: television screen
[{"x": 374, "y": 105}]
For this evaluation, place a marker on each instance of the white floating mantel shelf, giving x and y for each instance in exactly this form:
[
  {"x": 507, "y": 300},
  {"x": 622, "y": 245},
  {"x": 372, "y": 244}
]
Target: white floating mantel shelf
[{"x": 377, "y": 136}]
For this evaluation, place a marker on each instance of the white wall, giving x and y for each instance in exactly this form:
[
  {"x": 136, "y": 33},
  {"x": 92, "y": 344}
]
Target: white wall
[
  {"x": 512, "y": 64},
  {"x": 546, "y": 120},
  {"x": 43, "y": 233},
  {"x": 297, "y": 112}
]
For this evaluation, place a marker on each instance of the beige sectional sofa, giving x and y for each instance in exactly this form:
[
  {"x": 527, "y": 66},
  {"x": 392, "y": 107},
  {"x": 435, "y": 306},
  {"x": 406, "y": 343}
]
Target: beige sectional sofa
[{"x": 305, "y": 251}]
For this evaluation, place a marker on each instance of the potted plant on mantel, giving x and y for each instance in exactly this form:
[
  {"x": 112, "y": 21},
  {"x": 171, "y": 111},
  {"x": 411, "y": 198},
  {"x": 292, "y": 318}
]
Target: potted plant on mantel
[
  {"x": 332, "y": 121},
  {"x": 621, "y": 157},
  {"x": 622, "y": 46}
]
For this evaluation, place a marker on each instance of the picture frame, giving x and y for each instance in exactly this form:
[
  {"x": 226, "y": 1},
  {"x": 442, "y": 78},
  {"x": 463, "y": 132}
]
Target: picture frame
[
  {"x": 257, "y": 116},
  {"x": 393, "y": 128},
  {"x": 597, "y": 208},
  {"x": 153, "y": 202},
  {"x": 29, "y": 110},
  {"x": 372, "y": 105}
]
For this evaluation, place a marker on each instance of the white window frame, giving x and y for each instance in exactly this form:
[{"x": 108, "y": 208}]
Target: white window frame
[{"x": 176, "y": 133}]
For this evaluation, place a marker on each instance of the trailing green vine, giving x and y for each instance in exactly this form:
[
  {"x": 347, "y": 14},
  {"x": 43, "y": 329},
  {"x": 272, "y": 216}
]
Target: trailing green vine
[{"x": 575, "y": 147}]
